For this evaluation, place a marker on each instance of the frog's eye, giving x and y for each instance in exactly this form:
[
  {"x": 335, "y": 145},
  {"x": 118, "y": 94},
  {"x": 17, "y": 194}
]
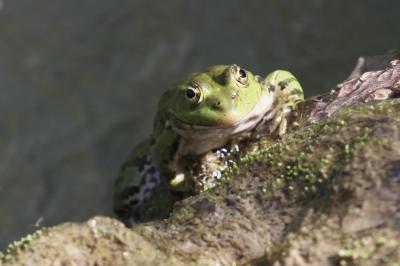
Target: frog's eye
[
  {"x": 194, "y": 94},
  {"x": 240, "y": 76}
]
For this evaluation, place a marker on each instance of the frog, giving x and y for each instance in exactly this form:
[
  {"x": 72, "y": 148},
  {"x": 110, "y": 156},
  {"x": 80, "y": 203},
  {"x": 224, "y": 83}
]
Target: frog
[{"x": 205, "y": 111}]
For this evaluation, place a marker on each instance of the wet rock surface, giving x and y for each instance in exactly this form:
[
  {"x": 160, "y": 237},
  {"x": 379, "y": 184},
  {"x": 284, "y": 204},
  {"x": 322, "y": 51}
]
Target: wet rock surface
[{"x": 80, "y": 80}]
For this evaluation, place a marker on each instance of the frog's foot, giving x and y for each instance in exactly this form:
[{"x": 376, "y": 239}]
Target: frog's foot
[
  {"x": 212, "y": 167},
  {"x": 151, "y": 181},
  {"x": 282, "y": 127},
  {"x": 280, "y": 122}
]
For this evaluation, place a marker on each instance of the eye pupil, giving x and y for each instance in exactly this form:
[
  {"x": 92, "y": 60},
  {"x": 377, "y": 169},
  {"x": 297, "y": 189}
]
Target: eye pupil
[
  {"x": 242, "y": 73},
  {"x": 190, "y": 93}
]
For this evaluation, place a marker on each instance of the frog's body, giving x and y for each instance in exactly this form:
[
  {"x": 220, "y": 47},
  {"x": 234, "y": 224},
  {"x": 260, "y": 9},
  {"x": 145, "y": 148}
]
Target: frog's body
[{"x": 203, "y": 112}]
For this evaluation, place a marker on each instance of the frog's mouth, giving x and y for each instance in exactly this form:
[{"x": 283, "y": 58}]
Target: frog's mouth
[{"x": 262, "y": 111}]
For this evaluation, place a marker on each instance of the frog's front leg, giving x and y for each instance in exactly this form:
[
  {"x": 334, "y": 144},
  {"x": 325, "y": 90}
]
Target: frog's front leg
[
  {"x": 137, "y": 182},
  {"x": 288, "y": 93}
]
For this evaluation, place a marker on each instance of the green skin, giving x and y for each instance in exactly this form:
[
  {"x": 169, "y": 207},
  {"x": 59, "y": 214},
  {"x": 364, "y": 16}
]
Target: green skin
[{"x": 205, "y": 111}]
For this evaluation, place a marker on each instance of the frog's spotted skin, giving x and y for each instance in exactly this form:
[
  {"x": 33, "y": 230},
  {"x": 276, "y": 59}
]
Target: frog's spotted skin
[
  {"x": 137, "y": 196},
  {"x": 203, "y": 112},
  {"x": 288, "y": 95}
]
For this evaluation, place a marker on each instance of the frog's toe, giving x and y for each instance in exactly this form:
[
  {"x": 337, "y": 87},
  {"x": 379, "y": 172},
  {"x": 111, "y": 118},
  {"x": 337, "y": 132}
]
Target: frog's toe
[
  {"x": 282, "y": 127},
  {"x": 177, "y": 180}
]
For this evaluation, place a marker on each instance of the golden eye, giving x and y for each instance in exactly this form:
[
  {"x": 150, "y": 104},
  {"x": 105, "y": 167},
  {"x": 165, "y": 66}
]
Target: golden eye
[
  {"x": 240, "y": 76},
  {"x": 194, "y": 94}
]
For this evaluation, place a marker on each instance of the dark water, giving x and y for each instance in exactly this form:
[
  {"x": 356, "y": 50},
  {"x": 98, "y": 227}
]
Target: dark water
[{"x": 80, "y": 80}]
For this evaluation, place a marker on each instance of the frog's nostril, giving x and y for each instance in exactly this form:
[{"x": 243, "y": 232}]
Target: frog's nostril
[{"x": 217, "y": 105}]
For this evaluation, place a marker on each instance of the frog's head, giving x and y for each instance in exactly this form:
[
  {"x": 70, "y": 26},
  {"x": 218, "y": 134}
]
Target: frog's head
[{"x": 224, "y": 96}]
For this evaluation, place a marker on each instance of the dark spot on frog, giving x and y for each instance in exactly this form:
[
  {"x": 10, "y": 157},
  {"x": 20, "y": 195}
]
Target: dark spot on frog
[
  {"x": 129, "y": 191},
  {"x": 282, "y": 85},
  {"x": 141, "y": 162},
  {"x": 152, "y": 170},
  {"x": 167, "y": 115},
  {"x": 271, "y": 87},
  {"x": 174, "y": 147},
  {"x": 204, "y": 206},
  {"x": 133, "y": 202}
]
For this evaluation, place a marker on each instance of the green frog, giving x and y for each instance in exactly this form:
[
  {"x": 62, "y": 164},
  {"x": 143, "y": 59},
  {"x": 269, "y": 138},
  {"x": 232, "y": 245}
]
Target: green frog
[{"x": 206, "y": 111}]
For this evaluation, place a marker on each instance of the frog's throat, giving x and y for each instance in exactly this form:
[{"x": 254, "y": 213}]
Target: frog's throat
[{"x": 198, "y": 132}]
